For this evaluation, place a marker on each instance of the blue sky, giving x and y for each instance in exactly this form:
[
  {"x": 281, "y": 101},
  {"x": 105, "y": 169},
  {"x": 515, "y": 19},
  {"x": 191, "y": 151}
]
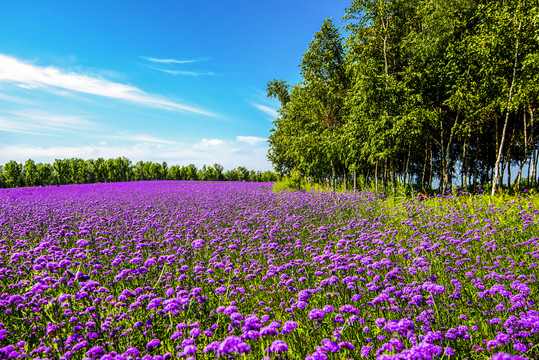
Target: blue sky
[{"x": 179, "y": 81}]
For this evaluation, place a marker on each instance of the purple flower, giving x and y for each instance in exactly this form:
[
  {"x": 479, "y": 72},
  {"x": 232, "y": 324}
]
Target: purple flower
[
  {"x": 82, "y": 243},
  {"x": 154, "y": 343},
  {"x": 277, "y": 346},
  {"x": 132, "y": 351},
  {"x": 268, "y": 330},
  {"x": 349, "y": 309},
  {"x": 330, "y": 346},
  {"x": 301, "y": 305},
  {"x": 198, "y": 243},
  {"x": 236, "y": 316},
  {"x": 230, "y": 309},
  {"x": 80, "y": 345},
  {"x": 365, "y": 350},
  {"x": 505, "y": 356},
  {"x": 252, "y": 322},
  {"x": 316, "y": 314},
  {"x": 346, "y": 344},
  {"x": 195, "y": 332},
  {"x": 338, "y": 319},
  {"x": 213, "y": 346},
  {"x": 289, "y": 326},
  {"x": 232, "y": 344},
  {"x": 190, "y": 349},
  {"x": 303, "y": 295},
  {"x": 95, "y": 352},
  {"x": 328, "y": 309},
  {"x": 154, "y": 303}
]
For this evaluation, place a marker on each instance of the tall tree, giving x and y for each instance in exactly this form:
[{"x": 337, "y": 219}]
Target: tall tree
[
  {"x": 30, "y": 170},
  {"x": 12, "y": 173}
]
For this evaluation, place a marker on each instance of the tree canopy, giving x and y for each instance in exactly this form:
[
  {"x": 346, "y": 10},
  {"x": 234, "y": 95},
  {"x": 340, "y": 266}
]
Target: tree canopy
[
  {"x": 418, "y": 92},
  {"x": 79, "y": 171}
]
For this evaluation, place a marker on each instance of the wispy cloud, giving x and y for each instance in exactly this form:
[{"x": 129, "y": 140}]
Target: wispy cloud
[
  {"x": 7, "y": 125},
  {"x": 180, "y": 72},
  {"x": 174, "y": 61},
  {"x": 268, "y": 110},
  {"x": 32, "y": 76},
  {"x": 252, "y": 140},
  {"x": 60, "y": 122},
  {"x": 171, "y": 61},
  {"x": 36, "y": 123},
  {"x": 14, "y": 99},
  {"x": 144, "y": 139}
]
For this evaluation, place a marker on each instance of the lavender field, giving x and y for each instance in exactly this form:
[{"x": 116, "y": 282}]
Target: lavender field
[{"x": 167, "y": 270}]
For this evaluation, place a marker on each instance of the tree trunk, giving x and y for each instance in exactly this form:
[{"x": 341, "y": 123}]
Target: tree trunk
[
  {"x": 509, "y": 173},
  {"x": 392, "y": 174},
  {"x": 519, "y": 176},
  {"x": 531, "y": 168},
  {"x": 464, "y": 170},
  {"x": 535, "y": 160},
  {"x": 407, "y": 164},
  {"x": 502, "y": 165},
  {"x": 376, "y": 176},
  {"x": 476, "y": 165},
  {"x": 498, "y": 158},
  {"x": 447, "y": 160},
  {"x": 430, "y": 170},
  {"x": 442, "y": 168},
  {"x": 424, "y": 167},
  {"x": 384, "y": 176},
  {"x": 333, "y": 177}
]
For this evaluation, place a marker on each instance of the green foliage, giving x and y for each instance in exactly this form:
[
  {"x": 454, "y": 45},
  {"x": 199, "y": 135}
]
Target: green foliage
[
  {"x": 12, "y": 173},
  {"x": 79, "y": 171},
  {"x": 416, "y": 93}
]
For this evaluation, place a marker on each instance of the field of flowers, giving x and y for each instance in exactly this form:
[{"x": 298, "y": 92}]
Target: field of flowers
[{"x": 167, "y": 270}]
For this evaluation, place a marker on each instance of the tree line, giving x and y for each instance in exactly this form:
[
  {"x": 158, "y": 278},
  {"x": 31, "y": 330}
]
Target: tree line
[
  {"x": 418, "y": 92},
  {"x": 79, "y": 171}
]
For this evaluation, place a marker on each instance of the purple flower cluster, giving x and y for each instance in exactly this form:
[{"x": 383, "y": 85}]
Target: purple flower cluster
[{"x": 162, "y": 270}]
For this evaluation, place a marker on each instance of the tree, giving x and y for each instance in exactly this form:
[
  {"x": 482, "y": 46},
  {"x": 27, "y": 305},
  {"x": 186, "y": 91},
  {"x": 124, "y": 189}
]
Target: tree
[
  {"x": 191, "y": 172},
  {"x": 44, "y": 174},
  {"x": 12, "y": 173},
  {"x": 219, "y": 170},
  {"x": 304, "y": 135},
  {"x": 61, "y": 170},
  {"x": 30, "y": 170}
]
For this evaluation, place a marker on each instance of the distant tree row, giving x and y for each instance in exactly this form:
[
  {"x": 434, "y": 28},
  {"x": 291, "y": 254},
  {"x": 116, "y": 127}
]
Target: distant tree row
[
  {"x": 79, "y": 171},
  {"x": 418, "y": 92}
]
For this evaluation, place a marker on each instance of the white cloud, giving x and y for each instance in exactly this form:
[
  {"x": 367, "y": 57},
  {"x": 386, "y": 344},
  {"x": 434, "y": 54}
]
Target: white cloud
[
  {"x": 14, "y": 99},
  {"x": 170, "y": 61},
  {"x": 38, "y": 123},
  {"x": 180, "y": 72},
  {"x": 268, "y": 110},
  {"x": 211, "y": 142},
  {"x": 141, "y": 138},
  {"x": 48, "y": 154},
  {"x": 7, "y": 125},
  {"x": 252, "y": 140},
  {"x": 230, "y": 154},
  {"x": 55, "y": 120},
  {"x": 32, "y": 76}
]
